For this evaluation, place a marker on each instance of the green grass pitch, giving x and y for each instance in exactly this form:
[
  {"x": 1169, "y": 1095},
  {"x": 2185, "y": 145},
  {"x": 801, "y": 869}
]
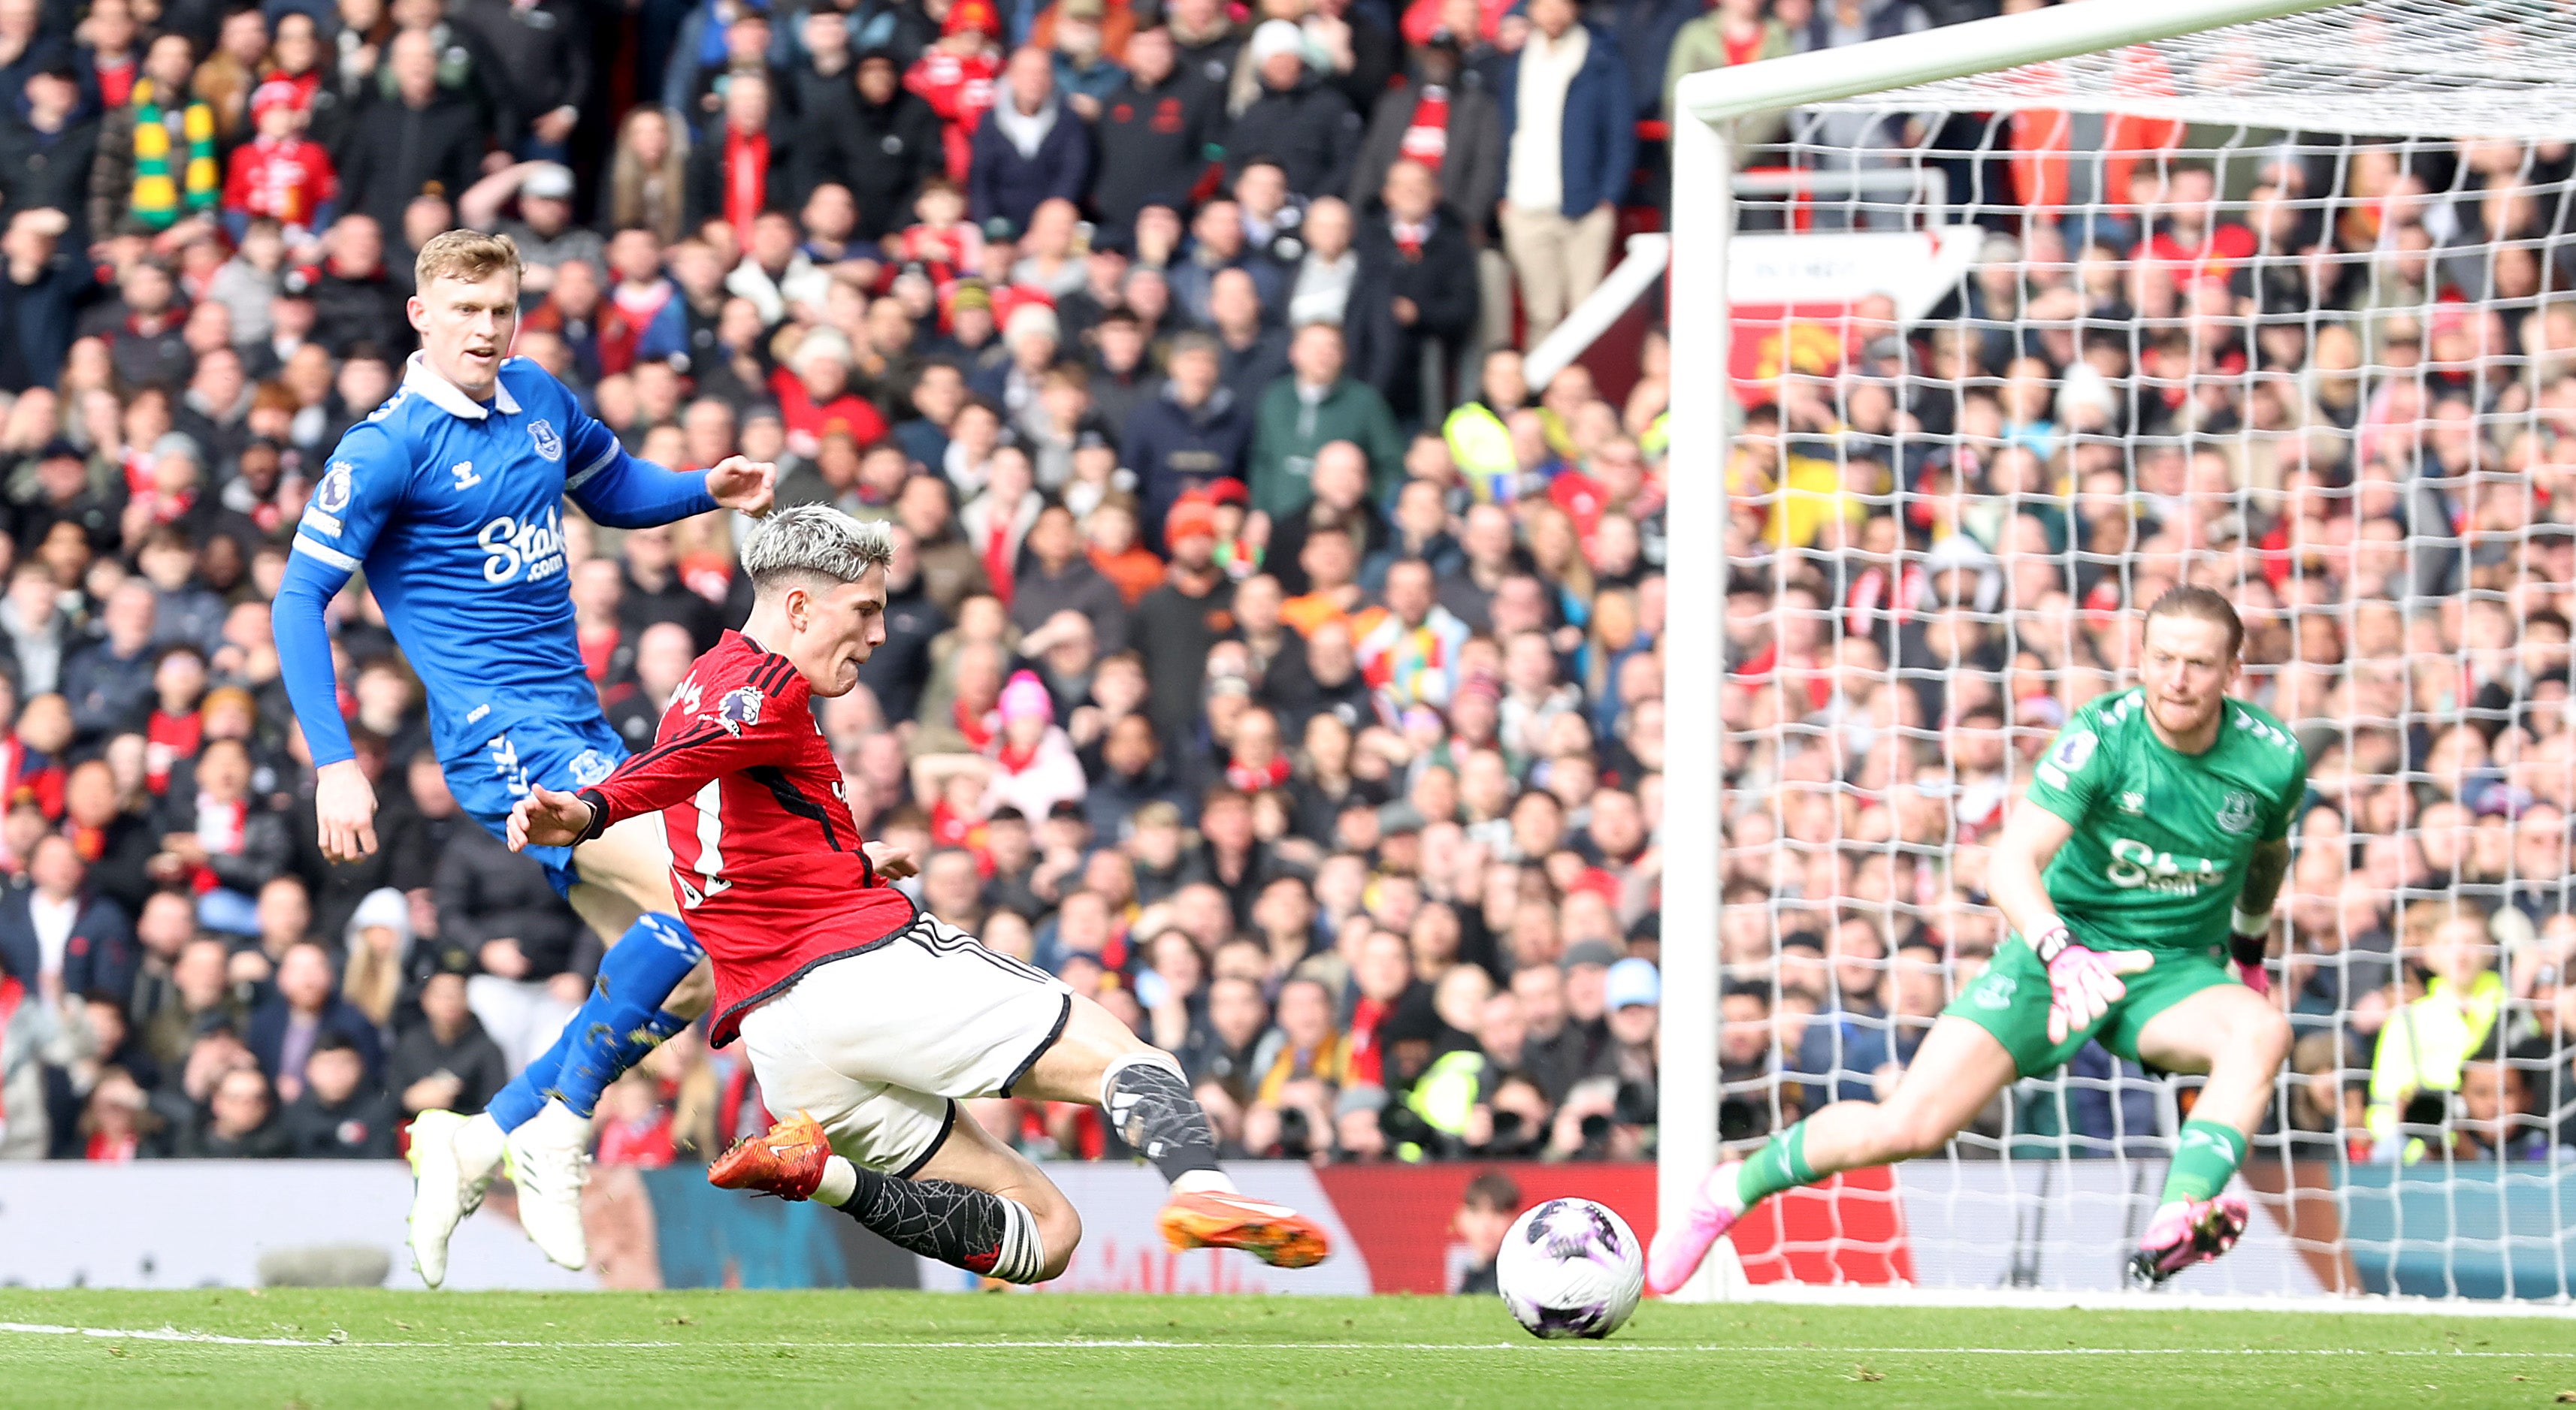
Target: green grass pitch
[{"x": 804, "y": 1350}]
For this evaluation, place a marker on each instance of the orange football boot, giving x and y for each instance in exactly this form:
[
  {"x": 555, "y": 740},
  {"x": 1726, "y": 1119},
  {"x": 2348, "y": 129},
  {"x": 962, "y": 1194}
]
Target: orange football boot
[
  {"x": 1275, "y": 1234},
  {"x": 787, "y": 1162}
]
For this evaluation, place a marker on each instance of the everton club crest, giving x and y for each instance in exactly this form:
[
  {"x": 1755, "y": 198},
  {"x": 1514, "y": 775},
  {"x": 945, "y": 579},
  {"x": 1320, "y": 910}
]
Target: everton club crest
[{"x": 549, "y": 445}]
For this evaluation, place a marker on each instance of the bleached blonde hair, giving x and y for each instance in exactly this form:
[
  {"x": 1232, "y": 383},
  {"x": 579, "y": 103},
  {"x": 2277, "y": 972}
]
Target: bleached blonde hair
[{"x": 815, "y": 541}]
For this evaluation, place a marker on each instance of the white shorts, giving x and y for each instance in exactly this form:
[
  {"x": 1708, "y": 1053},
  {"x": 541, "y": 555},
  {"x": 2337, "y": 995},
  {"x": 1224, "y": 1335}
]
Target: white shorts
[{"x": 879, "y": 1046}]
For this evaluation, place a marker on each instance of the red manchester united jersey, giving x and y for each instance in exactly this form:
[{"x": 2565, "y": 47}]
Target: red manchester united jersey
[{"x": 765, "y": 860}]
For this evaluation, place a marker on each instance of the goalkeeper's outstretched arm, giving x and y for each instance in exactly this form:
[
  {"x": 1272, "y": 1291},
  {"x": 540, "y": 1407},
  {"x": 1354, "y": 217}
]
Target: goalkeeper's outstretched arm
[{"x": 2030, "y": 841}]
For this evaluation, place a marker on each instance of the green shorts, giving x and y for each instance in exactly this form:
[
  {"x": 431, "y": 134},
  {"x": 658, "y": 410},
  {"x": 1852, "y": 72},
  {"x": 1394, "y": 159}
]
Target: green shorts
[{"x": 2010, "y": 1000}]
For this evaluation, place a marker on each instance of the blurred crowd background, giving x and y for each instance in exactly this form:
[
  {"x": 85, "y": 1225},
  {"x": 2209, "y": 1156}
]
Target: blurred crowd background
[{"x": 1272, "y": 655}]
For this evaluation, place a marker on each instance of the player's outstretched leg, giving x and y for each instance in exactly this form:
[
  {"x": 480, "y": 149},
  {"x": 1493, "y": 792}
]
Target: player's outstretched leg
[
  {"x": 2241, "y": 1041},
  {"x": 974, "y": 1204},
  {"x": 449, "y": 1176},
  {"x": 1955, "y": 1073},
  {"x": 1147, "y": 1098},
  {"x": 540, "y": 1122},
  {"x": 621, "y": 1021}
]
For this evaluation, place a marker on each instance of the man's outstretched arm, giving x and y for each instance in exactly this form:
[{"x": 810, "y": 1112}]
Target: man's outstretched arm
[
  {"x": 618, "y": 490},
  {"x": 2083, "y": 983},
  {"x": 740, "y": 729}
]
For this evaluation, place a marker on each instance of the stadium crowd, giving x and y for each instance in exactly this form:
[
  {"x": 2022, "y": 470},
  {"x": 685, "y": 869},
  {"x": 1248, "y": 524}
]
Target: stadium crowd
[{"x": 1268, "y": 657}]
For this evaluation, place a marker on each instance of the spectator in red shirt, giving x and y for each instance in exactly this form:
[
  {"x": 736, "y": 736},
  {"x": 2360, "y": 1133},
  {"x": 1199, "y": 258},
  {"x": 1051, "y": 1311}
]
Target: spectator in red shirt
[
  {"x": 114, "y": 56},
  {"x": 956, "y": 78},
  {"x": 814, "y": 394},
  {"x": 2190, "y": 237},
  {"x": 279, "y": 173},
  {"x": 634, "y": 1124}
]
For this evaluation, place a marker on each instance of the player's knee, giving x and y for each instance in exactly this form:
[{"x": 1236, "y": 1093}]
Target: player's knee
[
  {"x": 1100, "y": 1031},
  {"x": 2266, "y": 1039},
  {"x": 1093, "y": 1040},
  {"x": 695, "y": 994},
  {"x": 1059, "y": 1233},
  {"x": 1059, "y": 1226},
  {"x": 1912, "y": 1130}
]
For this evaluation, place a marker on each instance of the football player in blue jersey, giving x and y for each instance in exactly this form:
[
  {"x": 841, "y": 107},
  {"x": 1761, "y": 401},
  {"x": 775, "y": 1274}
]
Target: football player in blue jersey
[{"x": 449, "y": 499}]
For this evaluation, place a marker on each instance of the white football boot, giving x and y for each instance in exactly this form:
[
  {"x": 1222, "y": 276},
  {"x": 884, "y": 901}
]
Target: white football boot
[
  {"x": 453, "y": 1160},
  {"x": 550, "y": 1162}
]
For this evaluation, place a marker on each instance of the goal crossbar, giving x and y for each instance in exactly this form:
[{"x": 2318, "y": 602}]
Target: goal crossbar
[{"x": 1958, "y": 51}]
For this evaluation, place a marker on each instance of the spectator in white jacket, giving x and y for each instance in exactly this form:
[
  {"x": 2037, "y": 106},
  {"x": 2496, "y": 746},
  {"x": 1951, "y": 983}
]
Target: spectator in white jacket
[{"x": 1034, "y": 766}]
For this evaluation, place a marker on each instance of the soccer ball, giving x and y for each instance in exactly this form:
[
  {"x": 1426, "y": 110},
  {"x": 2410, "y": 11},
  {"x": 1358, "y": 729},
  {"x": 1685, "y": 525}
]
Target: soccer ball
[{"x": 1571, "y": 1268}]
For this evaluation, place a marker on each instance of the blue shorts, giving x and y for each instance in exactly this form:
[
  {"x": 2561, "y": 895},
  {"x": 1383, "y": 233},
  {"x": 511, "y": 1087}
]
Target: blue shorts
[{"x": 564, "y": 755}]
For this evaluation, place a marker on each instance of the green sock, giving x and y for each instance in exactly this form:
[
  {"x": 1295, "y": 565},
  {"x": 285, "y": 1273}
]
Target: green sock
[
  {"x": 2207, "y": 1154},
  {"x": 1779, "y": 1165}
]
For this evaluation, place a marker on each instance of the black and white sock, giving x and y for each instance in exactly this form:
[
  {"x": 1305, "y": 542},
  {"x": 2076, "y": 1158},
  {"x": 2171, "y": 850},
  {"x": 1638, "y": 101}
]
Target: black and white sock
[
  {"x": 1148, "y": 1100},
  {"x": 958, "y": 1225}
]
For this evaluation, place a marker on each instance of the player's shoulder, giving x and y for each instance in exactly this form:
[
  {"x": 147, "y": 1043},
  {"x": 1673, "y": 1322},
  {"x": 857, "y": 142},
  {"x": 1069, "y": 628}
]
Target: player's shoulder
[
  {"x": 2108, "y": 715},
  {"x": 400, "y": 411},
  {"x": 372, "y": 454},
  {"x": 737, "y": 686},
  {"x": 527, "y": 378},
  {"x": 2265, "y": 733},
  {"x": 2096, "y": 730}
]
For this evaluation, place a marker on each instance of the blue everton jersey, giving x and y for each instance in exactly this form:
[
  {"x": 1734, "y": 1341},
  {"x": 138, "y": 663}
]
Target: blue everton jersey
[{"x": 453, "y": 508}]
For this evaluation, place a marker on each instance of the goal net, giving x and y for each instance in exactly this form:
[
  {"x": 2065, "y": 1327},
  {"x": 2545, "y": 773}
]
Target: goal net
[{"x": 2285, "y": 308}]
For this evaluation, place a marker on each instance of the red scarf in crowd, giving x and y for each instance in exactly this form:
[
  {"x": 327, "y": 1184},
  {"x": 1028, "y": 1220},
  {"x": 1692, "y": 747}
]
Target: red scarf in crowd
[
  {"x": 115, "y": 79},
  {"x": 1426, "y": 137},
  {"x": 746, "y": 172},
  {"x": 1368, "y": 1059},
  {"x": 979, "y": 728},
  {"x": 1258, "y": 780},
  {"x": 89, "y": 843},
  {"x": 998, "y": 558},
  {"x": 167, "y": 739},
  {"x": 1014, "y": 758}
]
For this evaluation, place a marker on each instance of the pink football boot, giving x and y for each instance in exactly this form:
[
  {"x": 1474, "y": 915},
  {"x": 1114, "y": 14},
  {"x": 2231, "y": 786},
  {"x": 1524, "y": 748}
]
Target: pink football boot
[
  {"x": 2185, "y": 1233},
  {"x": 1679, "y": 1249}
]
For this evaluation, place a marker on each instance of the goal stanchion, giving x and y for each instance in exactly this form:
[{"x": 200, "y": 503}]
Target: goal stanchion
[{"x": 2273, "y": 297}]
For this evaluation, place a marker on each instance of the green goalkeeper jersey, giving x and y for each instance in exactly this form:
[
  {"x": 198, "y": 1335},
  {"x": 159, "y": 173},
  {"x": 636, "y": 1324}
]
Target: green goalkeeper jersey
[{"x": 2161, "y": 837}]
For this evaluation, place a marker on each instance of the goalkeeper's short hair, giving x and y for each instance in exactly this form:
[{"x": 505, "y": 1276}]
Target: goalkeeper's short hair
[{"x": 2207, "y": 604}]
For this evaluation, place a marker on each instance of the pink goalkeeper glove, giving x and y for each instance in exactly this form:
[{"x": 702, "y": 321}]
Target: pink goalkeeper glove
[
  {"x": 2082, "y": 983},
  {"x": 2255, "y": 977},
  {"x": 2247, "y": 943}
]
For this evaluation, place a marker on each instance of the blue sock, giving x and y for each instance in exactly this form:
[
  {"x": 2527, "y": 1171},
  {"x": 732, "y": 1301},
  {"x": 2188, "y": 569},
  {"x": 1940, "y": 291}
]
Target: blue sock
[
  {"x": 615, "y": 1027},
  {"x": 527, "y": 1092}
]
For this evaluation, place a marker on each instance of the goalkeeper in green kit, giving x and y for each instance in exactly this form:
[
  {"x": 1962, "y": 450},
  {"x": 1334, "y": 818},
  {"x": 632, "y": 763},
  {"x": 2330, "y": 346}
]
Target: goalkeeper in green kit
[{"x": 2138, "y": 872}]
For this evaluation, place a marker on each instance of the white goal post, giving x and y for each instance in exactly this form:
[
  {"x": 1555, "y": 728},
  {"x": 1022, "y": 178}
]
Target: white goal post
[{"x": 2532, "y": 103}]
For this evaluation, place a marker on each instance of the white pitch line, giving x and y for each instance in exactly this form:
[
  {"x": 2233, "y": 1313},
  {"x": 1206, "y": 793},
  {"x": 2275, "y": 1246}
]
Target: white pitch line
[
  {"x": 173, "y": 1334},
  {"x": 157, "y": 1334}
]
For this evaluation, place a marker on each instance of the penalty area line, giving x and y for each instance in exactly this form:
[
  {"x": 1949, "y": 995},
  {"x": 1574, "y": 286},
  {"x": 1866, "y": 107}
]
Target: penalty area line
[{"x": 343, "y": 1342}]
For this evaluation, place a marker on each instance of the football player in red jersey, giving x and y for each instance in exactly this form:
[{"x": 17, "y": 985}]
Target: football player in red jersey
[{"x": 864, "y": 1016}]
